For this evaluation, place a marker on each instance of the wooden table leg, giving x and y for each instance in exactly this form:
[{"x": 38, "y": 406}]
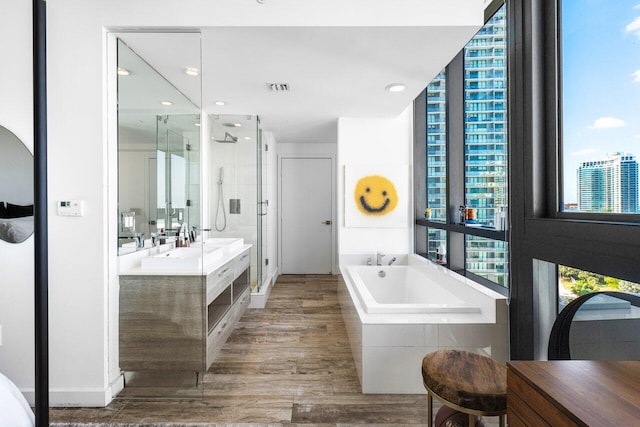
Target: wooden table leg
[
  {"x": 502, "y": 423},
  {"x": 429, "y": 410}
]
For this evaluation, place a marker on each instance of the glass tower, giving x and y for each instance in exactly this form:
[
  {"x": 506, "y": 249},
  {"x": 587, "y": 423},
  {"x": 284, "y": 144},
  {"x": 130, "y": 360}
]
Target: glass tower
[
  {"x": 485, "y": 143},
  {"x": 609, "y": 185},
  {"x": 437, "y": 148}
]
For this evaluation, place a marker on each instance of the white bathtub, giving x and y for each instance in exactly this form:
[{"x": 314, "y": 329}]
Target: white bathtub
[
  {"x": 394, "y": 321},
  {"x": 405, "y": 289}
]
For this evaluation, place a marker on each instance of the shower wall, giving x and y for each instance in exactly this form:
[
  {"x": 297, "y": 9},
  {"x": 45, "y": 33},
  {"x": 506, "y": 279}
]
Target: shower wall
[{"x": 240, "y": 181}]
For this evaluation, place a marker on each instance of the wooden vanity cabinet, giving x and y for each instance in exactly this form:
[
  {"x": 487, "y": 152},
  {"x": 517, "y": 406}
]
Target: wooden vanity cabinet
[
  {"x": 178, "y": 322},
  {"x": 573, "y": 393}
]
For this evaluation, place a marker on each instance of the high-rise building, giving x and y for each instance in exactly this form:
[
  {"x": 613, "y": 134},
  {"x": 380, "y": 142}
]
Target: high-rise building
[
  {"x": 485, "y": 110},
  {"x": 609, "y": 185},
  {"x": 485, "y": 141},
  {"x": 485, "y": 146},
  {"x": 437, "y": 148}
]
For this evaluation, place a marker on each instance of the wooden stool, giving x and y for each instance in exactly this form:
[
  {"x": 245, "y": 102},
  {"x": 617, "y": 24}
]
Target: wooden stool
[{"x": 467, "y": 382}]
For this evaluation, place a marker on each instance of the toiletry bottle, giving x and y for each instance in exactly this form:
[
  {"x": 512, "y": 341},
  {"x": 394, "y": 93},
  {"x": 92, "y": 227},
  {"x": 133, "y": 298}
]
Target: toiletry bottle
[
  {"x": 442, "y": 250},
  {"x": 461, "y": 214}
]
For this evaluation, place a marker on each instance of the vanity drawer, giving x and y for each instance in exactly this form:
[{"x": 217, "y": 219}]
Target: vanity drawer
[
  {"x": 241, "y": 263},
  {"x": 218, "y": 281},
  {"x": 218, "y": 336}
]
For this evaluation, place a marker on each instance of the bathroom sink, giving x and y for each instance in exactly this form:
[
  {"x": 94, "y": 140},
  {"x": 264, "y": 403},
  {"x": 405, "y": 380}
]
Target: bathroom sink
[
  {"x": 229, "y": 245},
  {"x": 182, "y": 259}
]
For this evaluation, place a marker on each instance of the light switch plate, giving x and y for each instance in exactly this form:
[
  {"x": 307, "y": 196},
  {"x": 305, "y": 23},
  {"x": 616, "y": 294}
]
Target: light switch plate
[{"x": 70, "y": 208}]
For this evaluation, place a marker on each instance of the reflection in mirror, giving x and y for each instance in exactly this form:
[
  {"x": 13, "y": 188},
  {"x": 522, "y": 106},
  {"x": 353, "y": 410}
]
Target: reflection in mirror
[
  {"x": 603, "y": 325},
  {"x": 606, "y": 327},
  {"x": 158, "y": 154},
  {"x": 16, "y": 189}
]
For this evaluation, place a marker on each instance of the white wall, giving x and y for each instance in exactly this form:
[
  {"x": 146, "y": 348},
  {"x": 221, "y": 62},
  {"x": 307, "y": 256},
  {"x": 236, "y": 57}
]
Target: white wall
[
  {"x": 82, "y": 164},
  {"x": 376, "y": 141},
  {"x": 16, "y": 260}
]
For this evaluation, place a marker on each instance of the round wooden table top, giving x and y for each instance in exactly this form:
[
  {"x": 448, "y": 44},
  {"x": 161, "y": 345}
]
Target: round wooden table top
[{"x": 468, "y": 380}]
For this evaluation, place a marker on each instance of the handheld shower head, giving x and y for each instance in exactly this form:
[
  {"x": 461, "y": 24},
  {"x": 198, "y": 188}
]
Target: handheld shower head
[{"x": 221, "y": 178}]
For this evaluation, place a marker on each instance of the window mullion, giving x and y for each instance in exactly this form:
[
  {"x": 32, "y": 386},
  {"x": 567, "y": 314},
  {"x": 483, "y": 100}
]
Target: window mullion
[{"x": 455, "y": 156}]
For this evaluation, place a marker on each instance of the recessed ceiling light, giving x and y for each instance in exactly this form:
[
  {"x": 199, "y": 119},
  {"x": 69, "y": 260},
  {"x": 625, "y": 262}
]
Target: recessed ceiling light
[
  {"x": 219, "y": 103},
  {"x": 197, "y": 124},
  {"x": 232, "y": 125},
  {"x": 123, "y": 71},
  {"x": 167, "y": 103},
  {"x": 247, "y": 138},
  {"x": 191, "y": 71},
  {"x": 395, "y": 87}
]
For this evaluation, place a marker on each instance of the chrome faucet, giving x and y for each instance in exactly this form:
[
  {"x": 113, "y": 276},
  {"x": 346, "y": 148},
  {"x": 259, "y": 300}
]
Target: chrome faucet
[
  {"x": 379, "y": 256},
  {"x": 392, "y": 260},
  {"x": 139, "y": 240}
]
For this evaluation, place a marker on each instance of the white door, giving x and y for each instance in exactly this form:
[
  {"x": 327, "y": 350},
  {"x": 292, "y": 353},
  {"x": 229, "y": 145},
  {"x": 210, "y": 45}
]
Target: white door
[{"x": 306, "y": 226}]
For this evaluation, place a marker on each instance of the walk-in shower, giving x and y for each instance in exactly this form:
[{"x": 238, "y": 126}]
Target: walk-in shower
[{"x": 236, "y": 180}]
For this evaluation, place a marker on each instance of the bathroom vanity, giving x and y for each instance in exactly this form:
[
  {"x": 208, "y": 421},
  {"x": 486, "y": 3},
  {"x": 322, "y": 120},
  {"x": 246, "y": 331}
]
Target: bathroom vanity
[{"x": 179, "y": 320}]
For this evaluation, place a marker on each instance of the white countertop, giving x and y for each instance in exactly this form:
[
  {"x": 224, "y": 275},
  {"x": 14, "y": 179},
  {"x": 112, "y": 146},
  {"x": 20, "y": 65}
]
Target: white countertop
[{"x": 130, "y": 264}]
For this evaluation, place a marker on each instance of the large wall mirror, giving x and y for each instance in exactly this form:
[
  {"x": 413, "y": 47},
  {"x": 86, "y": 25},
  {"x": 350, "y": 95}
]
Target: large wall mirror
[
  {"x": 158, "y": 139},
  {"x": 16, "y": 189}
]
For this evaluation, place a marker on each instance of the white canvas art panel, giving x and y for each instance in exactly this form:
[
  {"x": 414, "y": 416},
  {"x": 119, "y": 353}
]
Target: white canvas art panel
[{"x": 376, "y": 196}]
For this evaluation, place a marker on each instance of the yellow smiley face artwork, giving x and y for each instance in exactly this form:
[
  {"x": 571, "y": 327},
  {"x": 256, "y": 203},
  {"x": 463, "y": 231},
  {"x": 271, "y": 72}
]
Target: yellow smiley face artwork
[{"x": 375, "y": 195}]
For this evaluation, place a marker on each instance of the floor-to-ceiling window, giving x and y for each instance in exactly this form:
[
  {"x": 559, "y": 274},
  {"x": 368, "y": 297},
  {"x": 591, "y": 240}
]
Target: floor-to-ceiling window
[
  {"x": 465, "y": 167},
  {"x": 600, "y": 93},
  {"x": 574, "y": 175}
]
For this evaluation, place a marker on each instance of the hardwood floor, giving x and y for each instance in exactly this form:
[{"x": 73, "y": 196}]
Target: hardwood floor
[{"x": 286, "y": 365}]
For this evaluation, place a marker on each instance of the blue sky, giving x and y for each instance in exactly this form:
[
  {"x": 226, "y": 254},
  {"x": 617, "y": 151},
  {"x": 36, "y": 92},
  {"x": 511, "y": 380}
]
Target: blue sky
[{"x": 601, "y": 82}]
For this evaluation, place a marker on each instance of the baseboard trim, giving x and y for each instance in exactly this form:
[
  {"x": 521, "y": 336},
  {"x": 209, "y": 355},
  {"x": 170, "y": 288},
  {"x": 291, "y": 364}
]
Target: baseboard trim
[
  {"x": 85, "y": 397},
  {"x": 259, "y": 299}
]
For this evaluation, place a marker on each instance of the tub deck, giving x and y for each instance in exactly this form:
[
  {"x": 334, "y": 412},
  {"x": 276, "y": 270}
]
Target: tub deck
[{"x": 388, "y": 345}]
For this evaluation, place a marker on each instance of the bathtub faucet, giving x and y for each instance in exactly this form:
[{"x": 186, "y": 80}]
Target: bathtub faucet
[
  {"x": 379, "y": 256},
  {"x": 392, "y": 260}
]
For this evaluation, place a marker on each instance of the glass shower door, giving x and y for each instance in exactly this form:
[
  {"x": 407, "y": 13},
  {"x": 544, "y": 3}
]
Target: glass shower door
[
  {"x": 173, "y": 175},
  {"x": 263, "y": 211}
]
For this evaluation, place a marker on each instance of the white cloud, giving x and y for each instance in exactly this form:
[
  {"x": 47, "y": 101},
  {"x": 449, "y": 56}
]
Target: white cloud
[
  {"x": 636, "y": 76},
  {"x": 634, "y": 27},
  {"x": 607, "y": 123},
  {"x": 637, "y": 6},
  {"x": 585, "y": 152}
]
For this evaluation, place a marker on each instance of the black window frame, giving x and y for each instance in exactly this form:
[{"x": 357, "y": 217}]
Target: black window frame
[
  {"x": 555, "y": 196},
  {"x": 607, "y": 244}
]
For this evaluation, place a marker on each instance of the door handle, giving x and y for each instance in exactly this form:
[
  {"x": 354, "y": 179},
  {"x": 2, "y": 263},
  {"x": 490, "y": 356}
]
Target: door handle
[{"x": 327, "y": 222}]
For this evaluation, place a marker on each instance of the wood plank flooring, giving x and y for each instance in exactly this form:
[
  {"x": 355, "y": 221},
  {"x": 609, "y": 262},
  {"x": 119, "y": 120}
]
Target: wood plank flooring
[{"x": 289, "y": 364}]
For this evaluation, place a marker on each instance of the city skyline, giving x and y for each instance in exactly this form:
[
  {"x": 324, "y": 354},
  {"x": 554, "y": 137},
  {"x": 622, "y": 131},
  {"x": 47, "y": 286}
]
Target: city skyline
[
  {"x": 600, "y": 84},
  {"x": 485, "y": 148},
  {"x": 608, "y": 185}
]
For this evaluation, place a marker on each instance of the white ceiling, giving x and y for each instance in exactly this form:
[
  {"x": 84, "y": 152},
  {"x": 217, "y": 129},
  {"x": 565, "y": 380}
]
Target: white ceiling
[{"x": 332, "y": 71}]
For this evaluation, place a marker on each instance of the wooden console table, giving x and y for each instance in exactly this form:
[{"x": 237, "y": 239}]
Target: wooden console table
[{"x": 573, "y": 393}]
